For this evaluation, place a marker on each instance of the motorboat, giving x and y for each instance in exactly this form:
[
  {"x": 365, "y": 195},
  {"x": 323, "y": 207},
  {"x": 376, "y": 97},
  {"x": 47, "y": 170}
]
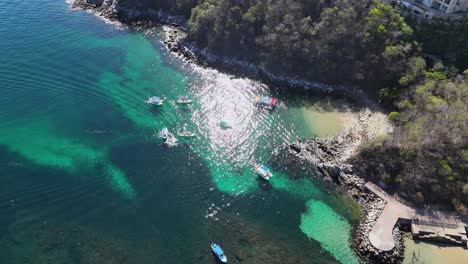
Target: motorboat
[
  {"x": 154, "y": 100},
  {"x": 265, "y": 102},
  {"x": 264, "y": 172},
  {"x": 219, "y": 252},
  {"x": 186, "y": 134},
  {"x": 164, "y": 134},
  {"x": 184, "y": 100}
]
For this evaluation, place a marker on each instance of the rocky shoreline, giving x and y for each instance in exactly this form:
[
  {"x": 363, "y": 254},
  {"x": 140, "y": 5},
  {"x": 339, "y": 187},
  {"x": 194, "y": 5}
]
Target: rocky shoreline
[
  {"x": 175, "y": 39},
  {"x": 329, "y": 157}
]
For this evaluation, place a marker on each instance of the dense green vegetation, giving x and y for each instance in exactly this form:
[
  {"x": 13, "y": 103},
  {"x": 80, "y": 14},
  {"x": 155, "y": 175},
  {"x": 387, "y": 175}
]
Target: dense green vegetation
[
  {"x": 443, "y": 37},
  {"x": 173, "y": 7},
  {"x": 427, "y": 155},
  {"x": 333, "y": 41}
]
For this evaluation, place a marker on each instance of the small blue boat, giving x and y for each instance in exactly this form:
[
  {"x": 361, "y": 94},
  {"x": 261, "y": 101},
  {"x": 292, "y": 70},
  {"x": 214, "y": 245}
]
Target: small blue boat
[{"x": 219, "y": 252}]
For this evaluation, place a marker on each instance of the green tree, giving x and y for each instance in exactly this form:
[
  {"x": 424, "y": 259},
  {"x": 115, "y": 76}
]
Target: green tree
[{"x": 427, "y": 152}]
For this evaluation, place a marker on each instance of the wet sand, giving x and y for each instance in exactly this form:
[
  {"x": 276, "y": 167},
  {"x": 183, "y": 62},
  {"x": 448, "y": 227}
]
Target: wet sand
[
  {"x": 324, "y": 124},
  {"x": 328, "y": 123}
]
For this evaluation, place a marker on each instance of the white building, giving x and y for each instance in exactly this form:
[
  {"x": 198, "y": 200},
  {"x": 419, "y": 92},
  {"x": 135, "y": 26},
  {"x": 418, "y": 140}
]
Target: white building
[
  {"x": 436, "y": 8},
  {"x": 447, "y": 6}
]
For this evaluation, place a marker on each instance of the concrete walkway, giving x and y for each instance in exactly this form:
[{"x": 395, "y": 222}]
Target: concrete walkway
[{"x": 381, "y": 234}]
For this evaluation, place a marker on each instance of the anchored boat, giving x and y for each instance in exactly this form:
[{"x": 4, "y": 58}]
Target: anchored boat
[
  {"x": 265, "y": 102},
  {"x": 219, "y": 252},
  {"x": 186, "y": 134},
  {"x": 184, "y": 100},
  {"x": 154, "y": 100},
  {"x": 164, "y": 134},
  {"x": 264, "y": 172}
]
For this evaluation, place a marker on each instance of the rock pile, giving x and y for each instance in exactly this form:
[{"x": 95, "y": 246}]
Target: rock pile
[
  {"x": 174, "y": 40},
  {"x": 105, "y": 8}
]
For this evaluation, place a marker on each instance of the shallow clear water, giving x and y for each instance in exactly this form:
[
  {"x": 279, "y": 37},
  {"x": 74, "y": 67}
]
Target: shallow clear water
[
  {"x": 433, "y": 253},
  {"x": 85, "y": 179}
]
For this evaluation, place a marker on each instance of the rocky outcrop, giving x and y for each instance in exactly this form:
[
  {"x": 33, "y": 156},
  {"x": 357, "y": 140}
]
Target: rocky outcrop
[
  {"x": 328, "y": 159},
  {"x": 174, "y": 38},
  {"x": 324, "y": 159},
  {"x": 105, "y": 8}
]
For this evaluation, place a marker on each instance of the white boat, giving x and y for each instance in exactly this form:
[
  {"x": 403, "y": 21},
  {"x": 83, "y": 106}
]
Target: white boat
[
  {"x": 184, "y": 100},
  {"x": 164, "y": 134},
  {"x": 264, "y": 172},
  {"x": 186, "y": 134},
  {"x": 219, "y": 252},
  {"x": 154, "y": 100}
]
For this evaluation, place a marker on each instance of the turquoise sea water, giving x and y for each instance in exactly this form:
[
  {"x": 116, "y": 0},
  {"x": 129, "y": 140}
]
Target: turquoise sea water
[{"x": 85, "y": 179}]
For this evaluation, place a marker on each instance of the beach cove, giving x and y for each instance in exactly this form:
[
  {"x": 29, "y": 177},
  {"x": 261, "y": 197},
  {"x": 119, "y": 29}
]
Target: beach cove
[{"x": 85, "y": 179}]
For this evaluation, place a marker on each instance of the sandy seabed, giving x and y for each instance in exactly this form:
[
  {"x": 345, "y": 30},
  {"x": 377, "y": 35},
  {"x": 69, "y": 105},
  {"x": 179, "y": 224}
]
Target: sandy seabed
[{"x": 433, "y": 253}]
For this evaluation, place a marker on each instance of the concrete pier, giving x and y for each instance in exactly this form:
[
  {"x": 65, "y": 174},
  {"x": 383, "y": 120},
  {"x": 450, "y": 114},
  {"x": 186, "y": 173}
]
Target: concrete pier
[{"x": 426, "y": 224}]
